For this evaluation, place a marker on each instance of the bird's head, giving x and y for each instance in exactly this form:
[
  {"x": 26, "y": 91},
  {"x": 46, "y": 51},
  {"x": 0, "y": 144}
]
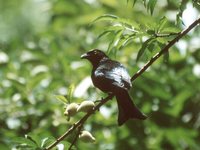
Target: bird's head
[{"x": 94, "y": 56}]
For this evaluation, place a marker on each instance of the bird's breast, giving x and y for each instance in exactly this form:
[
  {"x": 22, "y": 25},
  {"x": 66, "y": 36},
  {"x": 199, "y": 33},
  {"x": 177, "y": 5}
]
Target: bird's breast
[{"x": 101, "y": 84}]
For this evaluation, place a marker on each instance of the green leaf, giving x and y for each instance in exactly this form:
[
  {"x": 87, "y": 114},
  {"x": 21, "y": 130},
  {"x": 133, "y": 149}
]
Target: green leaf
[
  {"x": 123, "y": 21},
  {"x": 70, "y": 92},
  {"x": 24, "y": 141},
  {"x": 151, "y": 5},
  {"x": 31, "y": 139},
  {"x": 110, "y": 30},
  {"x": 171, "y": 30},
  {"x": 61, "y": 98},
  {"x": 143, "y": 48},
  {"x": 145, "y": 3},
  {"x": 162, "y": 24},
  {"x": 28, "y": 142},
  {"x": 134, "y": 1},
  {"x": 115, "y": 41},
  {"x": 105, "y": 17},
  {"x": 44, "y": 142},
  {"x": 151, "y": 47},
  {"x": 179, "y": 19},
  {"x": 47, "y": 141},
  {"x": 103, "y": 33},
  {"x": 151, "y": 32},
  {"x": 128, "y": 23},
  {"x": 124, "y": 40}
]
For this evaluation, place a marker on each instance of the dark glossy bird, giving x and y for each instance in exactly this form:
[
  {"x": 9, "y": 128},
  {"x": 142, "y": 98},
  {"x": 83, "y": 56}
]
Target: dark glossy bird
[{"x": 112, "y": 77}]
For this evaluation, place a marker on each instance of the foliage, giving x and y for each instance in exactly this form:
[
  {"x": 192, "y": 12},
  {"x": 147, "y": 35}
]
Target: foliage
[{"x": 40, "y": 47}]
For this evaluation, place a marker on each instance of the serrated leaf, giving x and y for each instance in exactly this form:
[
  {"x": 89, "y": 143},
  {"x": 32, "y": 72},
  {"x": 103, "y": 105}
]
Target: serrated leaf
[
  {"x": 144, "y": 47},
  {"x": 107, "y": 17},
  {"x": 61, "y": 98},
  {"x": 151, "y": 5}
]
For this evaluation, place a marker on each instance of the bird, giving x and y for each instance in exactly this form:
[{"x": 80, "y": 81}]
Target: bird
[{"x": 112, "y": 77}]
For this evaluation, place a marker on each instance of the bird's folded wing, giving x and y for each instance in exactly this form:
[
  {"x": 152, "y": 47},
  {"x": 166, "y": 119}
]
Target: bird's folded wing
[{"x": 117, "y": 76}]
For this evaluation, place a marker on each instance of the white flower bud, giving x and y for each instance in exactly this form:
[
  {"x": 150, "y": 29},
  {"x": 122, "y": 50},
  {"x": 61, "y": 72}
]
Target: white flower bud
[
  {"x": 86, "y": 137},
  {"x": 86, "y": 106},
  {"x": 71, "y": 109}
]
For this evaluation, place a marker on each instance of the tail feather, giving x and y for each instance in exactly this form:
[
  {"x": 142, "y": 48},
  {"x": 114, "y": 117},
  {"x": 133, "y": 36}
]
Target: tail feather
[{"x": 127, "y": 109}]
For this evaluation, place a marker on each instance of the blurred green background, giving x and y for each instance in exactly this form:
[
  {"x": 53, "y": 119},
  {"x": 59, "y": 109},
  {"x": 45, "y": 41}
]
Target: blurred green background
[{"x": 40, "y": 46}]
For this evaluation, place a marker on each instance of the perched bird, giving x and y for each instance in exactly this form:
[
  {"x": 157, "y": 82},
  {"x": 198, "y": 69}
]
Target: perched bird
[{"x": 112, "y": 77}]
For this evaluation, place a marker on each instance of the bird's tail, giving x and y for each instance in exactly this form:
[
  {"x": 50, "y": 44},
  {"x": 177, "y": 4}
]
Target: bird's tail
[{"x": 127, "y": 109}]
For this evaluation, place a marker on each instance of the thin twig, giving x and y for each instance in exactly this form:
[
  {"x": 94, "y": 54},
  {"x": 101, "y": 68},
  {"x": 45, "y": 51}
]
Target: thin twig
[
  {"x": 135, "y": 76},
  {"x": 165, "y": 35},
  {"x": 76, "y": 136}
]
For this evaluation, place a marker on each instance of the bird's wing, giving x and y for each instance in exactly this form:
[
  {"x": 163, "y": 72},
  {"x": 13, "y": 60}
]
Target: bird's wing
[{"x": 114, "y": 74}]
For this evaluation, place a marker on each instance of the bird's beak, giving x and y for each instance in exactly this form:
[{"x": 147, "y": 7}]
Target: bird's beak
[{"x": 84, "y": 56}]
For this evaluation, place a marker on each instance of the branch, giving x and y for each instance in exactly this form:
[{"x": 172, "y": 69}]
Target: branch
[
  {"x": 135, "y": 76},
  {"x": 76, "y": 136},
  {"x": 165, "y": 49}
]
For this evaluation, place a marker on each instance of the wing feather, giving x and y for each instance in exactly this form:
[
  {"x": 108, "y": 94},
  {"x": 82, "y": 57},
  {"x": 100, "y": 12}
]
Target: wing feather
[{"x": 113, "y": 74}]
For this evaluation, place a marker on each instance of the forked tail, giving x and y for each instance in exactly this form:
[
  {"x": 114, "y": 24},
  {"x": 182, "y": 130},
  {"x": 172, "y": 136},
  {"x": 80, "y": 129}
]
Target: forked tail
[{"x": 127, "y": 109}]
